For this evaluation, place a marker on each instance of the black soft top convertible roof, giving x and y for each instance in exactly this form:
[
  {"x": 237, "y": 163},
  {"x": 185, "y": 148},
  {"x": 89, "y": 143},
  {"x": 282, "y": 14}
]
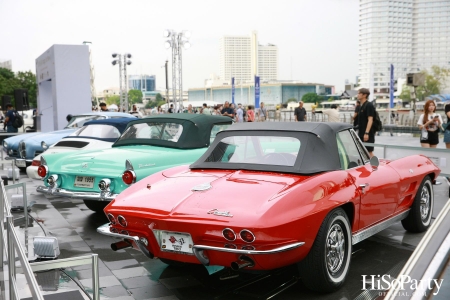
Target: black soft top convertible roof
[
  {"x": 196, "y": 130},
  {"x": 318, "y": 151}
]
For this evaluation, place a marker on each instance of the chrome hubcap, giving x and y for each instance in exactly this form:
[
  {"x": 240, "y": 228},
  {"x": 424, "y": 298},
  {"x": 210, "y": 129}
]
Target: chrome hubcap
[
  {"x": 335, "y": 249},
  {"x": 424, "y": 203}
]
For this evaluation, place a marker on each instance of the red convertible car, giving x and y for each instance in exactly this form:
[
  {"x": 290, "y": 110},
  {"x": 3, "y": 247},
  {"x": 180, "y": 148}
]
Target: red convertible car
[{"x": 267, "y": 195}]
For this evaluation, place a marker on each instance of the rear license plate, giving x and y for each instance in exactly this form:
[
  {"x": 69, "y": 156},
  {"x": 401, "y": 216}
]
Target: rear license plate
[
  {"x": 176, "y": 242},
  {"x": 84, "y": 181},
  {"x": 21, "y": 163}
]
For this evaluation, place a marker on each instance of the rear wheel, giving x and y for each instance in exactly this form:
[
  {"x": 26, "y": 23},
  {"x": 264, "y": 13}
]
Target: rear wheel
[
  {"x": 419, "y": 217},
  {"x": 95, "y": 205},
  {"x": 326, "y": 266}
]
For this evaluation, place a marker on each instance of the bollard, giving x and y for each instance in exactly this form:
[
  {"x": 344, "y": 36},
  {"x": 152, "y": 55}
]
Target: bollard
[
  {"x": 11, "y": 256},
  {"x": 95, "y": 280}
]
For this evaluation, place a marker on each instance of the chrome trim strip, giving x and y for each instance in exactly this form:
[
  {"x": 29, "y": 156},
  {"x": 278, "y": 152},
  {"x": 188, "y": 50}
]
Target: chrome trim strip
[
  {"x": 21, "y": 159},
  {"x": 77, "y": 195},
  {"x": 366, "y": 233},
  {"x": 251, "y": 252}
]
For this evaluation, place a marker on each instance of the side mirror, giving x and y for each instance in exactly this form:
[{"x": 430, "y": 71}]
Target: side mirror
[
  {"x": 69, "y": 117},
  {"x": 374, "y": 162}
]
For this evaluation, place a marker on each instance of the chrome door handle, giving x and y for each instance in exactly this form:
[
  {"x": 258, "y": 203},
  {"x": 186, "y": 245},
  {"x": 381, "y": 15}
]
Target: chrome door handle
[{"x": 363, "y": 187}]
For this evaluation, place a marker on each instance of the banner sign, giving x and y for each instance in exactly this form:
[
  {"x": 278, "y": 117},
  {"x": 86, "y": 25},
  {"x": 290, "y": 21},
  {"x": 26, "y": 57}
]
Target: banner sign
[
  {"x": 391, "y": 88},
  {"x": 232, "y": 90},
  {"x": 257, "y": 92}
]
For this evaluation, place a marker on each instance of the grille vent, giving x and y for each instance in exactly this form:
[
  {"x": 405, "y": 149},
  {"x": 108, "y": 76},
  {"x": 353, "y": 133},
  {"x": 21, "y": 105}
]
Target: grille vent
[{"x": 71, "y": 144}]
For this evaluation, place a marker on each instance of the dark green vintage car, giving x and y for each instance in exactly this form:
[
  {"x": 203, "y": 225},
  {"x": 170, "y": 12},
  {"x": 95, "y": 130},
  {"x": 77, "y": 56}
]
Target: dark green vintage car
[{"x": 147, "y": 146}]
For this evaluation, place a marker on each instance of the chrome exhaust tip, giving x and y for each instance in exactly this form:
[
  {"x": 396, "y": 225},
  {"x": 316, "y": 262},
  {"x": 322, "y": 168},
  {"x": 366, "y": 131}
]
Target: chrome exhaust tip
[
  {"x": 243, "y": 262},
  {"x": 120, "y": 245}
]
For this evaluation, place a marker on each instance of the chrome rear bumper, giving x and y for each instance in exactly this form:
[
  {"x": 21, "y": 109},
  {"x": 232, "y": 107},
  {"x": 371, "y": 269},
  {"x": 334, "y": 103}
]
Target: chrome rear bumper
[
  {"x": 198, "y": 249},
  {"x": 77, "y": 195}
]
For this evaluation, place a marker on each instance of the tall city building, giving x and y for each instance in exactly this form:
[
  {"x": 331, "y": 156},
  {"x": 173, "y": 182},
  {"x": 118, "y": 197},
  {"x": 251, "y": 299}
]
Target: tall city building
[
  {"x": 242, "y": 57},
  {"x": 144, "y": 83},
  {"x": 7, "y": 64},
  {"x": 413, "y": 35}
]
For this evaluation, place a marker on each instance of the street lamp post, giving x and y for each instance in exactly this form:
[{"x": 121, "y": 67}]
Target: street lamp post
[
  {"x": 177, "y": 41},
  {"x": 123, "y": 79}
]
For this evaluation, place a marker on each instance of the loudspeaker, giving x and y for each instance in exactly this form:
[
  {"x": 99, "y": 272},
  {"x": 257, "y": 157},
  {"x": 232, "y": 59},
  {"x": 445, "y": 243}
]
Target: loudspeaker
[
  {"x": 21, "y": 97},
  {"x": 5, "y": 100}
]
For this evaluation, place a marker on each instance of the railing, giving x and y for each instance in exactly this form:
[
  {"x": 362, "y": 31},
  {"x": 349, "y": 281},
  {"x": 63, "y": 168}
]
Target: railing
[{"x": 13, "y": 246}]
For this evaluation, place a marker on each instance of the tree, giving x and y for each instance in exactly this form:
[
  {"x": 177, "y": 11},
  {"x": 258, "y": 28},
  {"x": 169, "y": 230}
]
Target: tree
[
  {"x": 22, "y": 80},
  {"x": 115, "y": 99},
  {"x": 292, "y": 100},
  {"x": 435, "y": 81},
  {"x": 159, "y": 98},
  {"x": 27, "y": 80},
  {"x": 134, "y": 96},
  {"x": 310, "y": 98}
]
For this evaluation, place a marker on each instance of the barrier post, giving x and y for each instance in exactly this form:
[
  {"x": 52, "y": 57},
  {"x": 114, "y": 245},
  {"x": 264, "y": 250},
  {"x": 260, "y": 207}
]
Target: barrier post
[
  {"x": 95, "y": 279},
  {"x": 11, "y": 256}
]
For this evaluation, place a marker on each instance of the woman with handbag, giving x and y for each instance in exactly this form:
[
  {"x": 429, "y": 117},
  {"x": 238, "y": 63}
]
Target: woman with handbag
[{"x": 429, "y": 124}]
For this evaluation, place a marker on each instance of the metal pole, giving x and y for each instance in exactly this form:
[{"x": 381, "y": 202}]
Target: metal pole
[
  {"x": 180, "y": 69},
  {"x": 126, "y": 81},
  {"x": 120, "y": 77},
  {"x": 95, "y": 280},
  {"x": 167, "y": 87},
  {"x": 2, "y": 215},
  {"x": 174, "y": 69},
  {"x": 13, "y": 170},
  {"x": 11, "y": 256}
]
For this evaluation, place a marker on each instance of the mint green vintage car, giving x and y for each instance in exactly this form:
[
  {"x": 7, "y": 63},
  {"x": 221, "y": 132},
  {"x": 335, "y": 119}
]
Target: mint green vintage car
[{"x": 147, "y": 146}]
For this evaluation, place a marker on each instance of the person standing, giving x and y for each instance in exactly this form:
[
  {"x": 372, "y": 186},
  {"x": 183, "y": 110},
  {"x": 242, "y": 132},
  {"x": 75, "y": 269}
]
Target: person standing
[
  {"x": 10, "y": 118},
  {"x": 429, "y": 123},
  {"x": 227, "y": 110},
  {"x": 239, "y": 114},
  {"x": 250, "y": 114},
  {"x": 206, "y": 110},
  {"x": 447, "y": 130},
  {"x": 332, "y": 113},
  {"x": 170, "y": 111},
  {"x": 300, "y": 113},
  {"x": 262, "y": 115},
  {"x": 366, "y": 116},
  {"x": 103, "y": 107}
]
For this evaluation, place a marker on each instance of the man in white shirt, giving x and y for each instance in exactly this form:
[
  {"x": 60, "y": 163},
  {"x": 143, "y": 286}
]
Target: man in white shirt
[
  {"x": 333, "y": 114},
  {"x": 239, "y": 114}
]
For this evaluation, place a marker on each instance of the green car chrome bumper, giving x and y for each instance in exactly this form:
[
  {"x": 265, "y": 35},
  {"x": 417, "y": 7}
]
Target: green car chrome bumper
[{"x": 102, "y": 196}]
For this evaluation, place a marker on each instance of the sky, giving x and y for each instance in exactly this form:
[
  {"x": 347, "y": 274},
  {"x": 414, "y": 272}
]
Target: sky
[{"x": 317, "y": 39}]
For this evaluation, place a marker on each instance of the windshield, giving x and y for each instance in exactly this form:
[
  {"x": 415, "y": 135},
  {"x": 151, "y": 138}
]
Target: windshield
[
  {"x": 100, "y": 131},
  {"x": 267, "y": 150},
  {"x": 78, "y": 121},
  {"x": 155, "y": 131}
]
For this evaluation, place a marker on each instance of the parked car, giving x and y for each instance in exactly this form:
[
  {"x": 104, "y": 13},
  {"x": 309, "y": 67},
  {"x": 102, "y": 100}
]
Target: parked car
[
  {"x": 25, "y": 147},
  {"x": 147, "y": 146},
  {"x": 271, "y": 194},
  {"x": 94, "y": 135}
]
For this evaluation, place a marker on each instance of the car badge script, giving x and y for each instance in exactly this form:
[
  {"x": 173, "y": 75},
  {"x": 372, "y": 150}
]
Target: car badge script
[
  {"x": 84, "y": 165},
  {"x": 202, "y": 187},
  {"x": 216, "y": 212}
]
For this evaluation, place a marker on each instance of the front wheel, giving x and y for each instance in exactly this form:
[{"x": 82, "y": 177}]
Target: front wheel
[
  {"x": 326, "y": 266},
  {"x": 419, "y": 217},
  {"x": 96, "y": 205}
]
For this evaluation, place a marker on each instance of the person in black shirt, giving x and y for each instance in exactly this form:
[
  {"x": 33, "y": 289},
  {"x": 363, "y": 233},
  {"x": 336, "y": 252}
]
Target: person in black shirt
[
  {"x": 366, "y": 116},
  {"x": 355, "y": 115},
  {"x": 227, "y": 110},
  {"x": 170, "y": 111},
  {"x": 300, "y": 112}
]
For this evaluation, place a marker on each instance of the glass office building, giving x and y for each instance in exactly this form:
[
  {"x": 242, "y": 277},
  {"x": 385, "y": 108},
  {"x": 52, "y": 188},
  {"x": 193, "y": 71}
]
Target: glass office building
[{"x": 144, "y": 83}]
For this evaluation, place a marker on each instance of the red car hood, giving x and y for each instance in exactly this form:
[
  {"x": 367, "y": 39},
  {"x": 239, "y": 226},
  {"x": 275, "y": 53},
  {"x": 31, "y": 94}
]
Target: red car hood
[{"x": 231, "y": 191}]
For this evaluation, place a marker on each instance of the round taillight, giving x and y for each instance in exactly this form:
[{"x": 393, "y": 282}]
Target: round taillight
[
  {"x": 36, "y": 163},
  {"x": 230, "y": 246},
  {"x": 42, "y": 171},
  {"x": 248, "y": 247},
  {"x": 111, "y": 219},
  {"x": 247, "y": 236},
  {"x": 229, "y": 234},
  {"x": 113, "y": 230},
  {"x": 121, "y": 220},
  {"x": 124, "y": 232},
  {"x": 128, "y": 177}
]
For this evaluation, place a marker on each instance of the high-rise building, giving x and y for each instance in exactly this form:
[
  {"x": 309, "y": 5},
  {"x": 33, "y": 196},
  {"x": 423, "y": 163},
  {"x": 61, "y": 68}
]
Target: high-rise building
[
  {"x": 7, "y": 64},
  {"x": 144, "y": 83},
  {"x": 413, "y": 35},
  {"x": 242, "y": 57}
]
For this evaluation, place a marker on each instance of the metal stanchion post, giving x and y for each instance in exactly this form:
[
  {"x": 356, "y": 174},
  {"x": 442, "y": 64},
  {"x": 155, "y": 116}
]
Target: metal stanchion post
[
  {"x": 3, "y": 166},
  {"x": 13, "y": 170},
  {"x": 11, "y": 256},
  {"x": 95, "y": 283},
  {"x": 2, "y": 215}
]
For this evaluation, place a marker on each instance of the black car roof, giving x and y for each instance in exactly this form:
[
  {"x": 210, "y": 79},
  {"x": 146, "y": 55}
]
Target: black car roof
[
  {"x": 196, "y": 130},
  {"x": 318, "y": 151}
]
